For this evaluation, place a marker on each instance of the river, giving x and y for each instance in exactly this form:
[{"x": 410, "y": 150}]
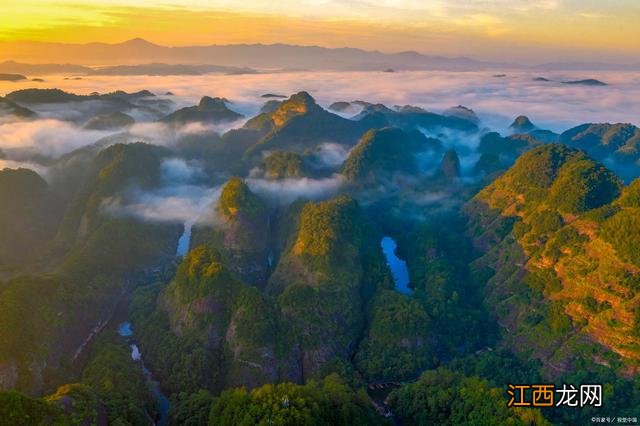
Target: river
[
  {"x": 185, "y": 240},
  {"x": 398, "y": 267},
  {"x": 125, "y": 330}
]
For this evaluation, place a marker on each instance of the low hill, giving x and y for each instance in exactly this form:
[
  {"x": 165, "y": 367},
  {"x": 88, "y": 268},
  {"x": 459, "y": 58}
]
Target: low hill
[
  {"x": 12, "y": 77},
  {"x": 411, "y": 117},
  {"x": 209, "y": 110},
  {"x": 110, "y": 121},
  {"x": 36, "y": 96},
  {"x": 586, "y": 82}
]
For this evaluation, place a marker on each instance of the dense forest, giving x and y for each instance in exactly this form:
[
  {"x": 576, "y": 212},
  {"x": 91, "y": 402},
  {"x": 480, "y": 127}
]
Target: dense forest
[{"x": 520, "y": 253}]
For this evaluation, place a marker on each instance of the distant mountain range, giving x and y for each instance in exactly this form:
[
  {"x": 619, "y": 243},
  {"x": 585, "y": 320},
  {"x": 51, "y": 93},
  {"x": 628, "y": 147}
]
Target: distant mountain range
[
  {"x": 158, "y": 69},
  {"x": 140, "y": 57},
  {"x": 275, "y": 56}
]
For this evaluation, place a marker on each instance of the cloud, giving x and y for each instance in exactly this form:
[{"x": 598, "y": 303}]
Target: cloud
[
  {"x": 176, "y": 171},
  {"x": 53, "y": 137},
  {"x": 286, "y": 191},
  {"x": 175, "y": 203},
  {"x": 186, "y": 197},
  {"x": 331, "y": 155},
  {"x": 497, "y": 101},
  {"x": 10, "y": 164},
  {"x": 49, "y": 136},
  {"x": 179, "y": 199}
]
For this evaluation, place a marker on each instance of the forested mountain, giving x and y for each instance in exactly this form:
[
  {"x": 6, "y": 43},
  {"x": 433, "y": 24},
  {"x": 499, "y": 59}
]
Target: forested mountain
[
  {"x": 30, "y": 214},
  {"x": 303, "y": 267},
  {"x": 209, "y": 110},
  {"x": 561, "y": 219}
]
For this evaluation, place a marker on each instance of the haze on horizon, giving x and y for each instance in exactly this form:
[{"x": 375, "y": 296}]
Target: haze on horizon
[{"x": 498, "y": 30}]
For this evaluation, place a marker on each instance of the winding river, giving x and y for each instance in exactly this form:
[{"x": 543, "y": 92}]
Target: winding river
[
  {"x": 398, "y": 266},
  {"x": 162, "y": 402}
]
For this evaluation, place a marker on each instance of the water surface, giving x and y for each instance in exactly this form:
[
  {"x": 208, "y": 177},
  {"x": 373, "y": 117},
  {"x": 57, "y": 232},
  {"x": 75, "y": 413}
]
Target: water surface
[
  {"x": 398, "y": 266},
  {"x": 185, "y": 240},
  {"x": 125, "y": 330}
]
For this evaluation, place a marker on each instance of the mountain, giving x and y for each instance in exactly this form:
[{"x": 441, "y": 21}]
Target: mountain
[
  {"x": 318, "y": 282},
  {"x": 508, "y": 148},
  {"x": 586, "y": 66},
  {"x": 586, "y": 82},
  {"x": 300, "y": 123},
  {"x": 270, "y": 106},
  {"x": 158, "y": 69},
  {"x": 114, "y": 169},
  {"x": 110, "y": 121},
  {"x": 605, "y": 141},
  {"x": 296, "y": 125},
  {"x": 29, "y": 217},
  {"x": 40, "y": 58},
  {"x": 37, "y": 96},
  {"x": 94, "y": 104},
  {"x": 340, "y": 106},
  {"x": 382, "y": 152},
  {"x": 463, "y": 112},
  {"x": 449, "y": 168},
  {"x": 209, "y": 110},
  {"x": 239, "y": 335},
  {"x": 243, "y": 235},
  {"x": 409, "y": 117},
  {"x": 75, "y": 296},
  {"x": 497, "y": 153},
  {"x": 283, "y": 164},
  {"x": 45, "y": 96},
  {"x": 522, "y": 124},
  {"x": 345, "y": 270},
  {"x": 256, "y": 56},
  {"x": 232, "y": 328},
  {"x": 10, "y": 108},
  {"x": 556, "y": 231},
  {"x": 12, "y": 77},
  {"x": 42, "y": 69}
]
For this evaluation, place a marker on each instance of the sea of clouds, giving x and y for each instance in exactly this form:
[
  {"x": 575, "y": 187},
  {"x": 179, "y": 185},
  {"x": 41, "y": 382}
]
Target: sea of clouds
[{"x": 551, "y": 105}]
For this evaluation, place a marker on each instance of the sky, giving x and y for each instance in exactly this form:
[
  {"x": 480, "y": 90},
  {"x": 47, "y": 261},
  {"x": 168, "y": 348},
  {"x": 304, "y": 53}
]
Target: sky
[{"x": 521, "y": 30}]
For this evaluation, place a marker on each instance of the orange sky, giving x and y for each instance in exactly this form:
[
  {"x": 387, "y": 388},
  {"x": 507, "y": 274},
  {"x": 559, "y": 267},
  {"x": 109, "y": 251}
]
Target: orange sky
[{"x": 494, "y": 29}]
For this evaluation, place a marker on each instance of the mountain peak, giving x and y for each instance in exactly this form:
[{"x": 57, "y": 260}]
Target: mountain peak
[
  {"x": 303, "y": 97},
  {"x": 208, "y": 102},
  {"x": 209, "y": 110},
  {"x": 298, "y": 104},
  {"x": 449, "y": 166},
  {"x": 236, "y": 198},
  {"x": 463, "y": 112},
  {"x": 522, "y": 124},
  {"x": 138, "y": 42}
]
